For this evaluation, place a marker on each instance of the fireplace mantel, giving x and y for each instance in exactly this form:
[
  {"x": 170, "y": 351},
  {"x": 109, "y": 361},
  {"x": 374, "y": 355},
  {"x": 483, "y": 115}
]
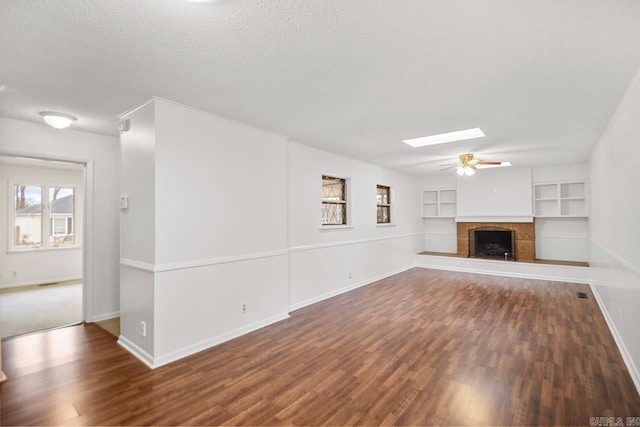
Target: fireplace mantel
[{"x": 496, "y": 218}]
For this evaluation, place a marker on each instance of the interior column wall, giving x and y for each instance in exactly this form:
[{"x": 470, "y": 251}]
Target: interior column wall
[{"x": 613, "y": 227}]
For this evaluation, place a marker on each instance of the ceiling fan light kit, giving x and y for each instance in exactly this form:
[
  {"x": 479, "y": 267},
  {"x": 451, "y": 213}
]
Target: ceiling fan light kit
[
  {"x": 465, "y": 170},
  {"x": 469, "y": 164}
]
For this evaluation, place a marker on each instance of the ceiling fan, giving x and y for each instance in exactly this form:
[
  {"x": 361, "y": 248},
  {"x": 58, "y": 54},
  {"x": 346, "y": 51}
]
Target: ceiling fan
[{"x": 468, "y": 164}]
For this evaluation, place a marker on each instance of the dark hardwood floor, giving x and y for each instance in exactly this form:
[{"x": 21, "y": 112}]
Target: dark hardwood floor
[{"x": 424, "y": 347}]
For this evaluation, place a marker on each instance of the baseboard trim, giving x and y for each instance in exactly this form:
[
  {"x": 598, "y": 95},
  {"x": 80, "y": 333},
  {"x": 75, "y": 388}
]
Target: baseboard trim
[
  {"x": 139, "y": 353},
  {"x": 219, "y": 339},
  {"x": 331, "y": 294},
  {"x": 38, "y": 282},
  {"x": 105, "y": 316},
  {"x": 628, "y": 360}
]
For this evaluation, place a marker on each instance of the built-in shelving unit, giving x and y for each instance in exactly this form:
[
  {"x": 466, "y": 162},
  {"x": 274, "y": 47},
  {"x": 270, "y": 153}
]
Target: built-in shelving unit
[
  {"x": 439, "y": 203},
  {"x": 562, "y": 199}
]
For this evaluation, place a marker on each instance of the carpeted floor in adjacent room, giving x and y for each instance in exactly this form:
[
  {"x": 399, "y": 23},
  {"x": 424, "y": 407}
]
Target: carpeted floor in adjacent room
[{"x": 35, "y": 308}]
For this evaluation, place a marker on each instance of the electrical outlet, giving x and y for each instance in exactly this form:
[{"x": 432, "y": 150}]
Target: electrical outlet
[
  {"x": 350, "y": 274},
  {"x": 619, "y": 314},
  {"x": 13, "y": 273},
  {"x": 244, "y": 308},
  {"x": 143, "y": 328}
]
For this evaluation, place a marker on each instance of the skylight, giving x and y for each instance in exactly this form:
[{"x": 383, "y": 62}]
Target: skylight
[{"x": 442, "y": 138}]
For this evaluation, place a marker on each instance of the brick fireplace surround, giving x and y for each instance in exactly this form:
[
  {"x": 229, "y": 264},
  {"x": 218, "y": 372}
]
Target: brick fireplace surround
[{"x": 524, "y": 233}]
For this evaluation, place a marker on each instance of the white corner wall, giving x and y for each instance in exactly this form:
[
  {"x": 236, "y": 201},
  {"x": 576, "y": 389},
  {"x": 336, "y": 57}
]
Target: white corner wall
[
  {"x": 53, "y": 265},
  {"x": 613, "y": 227},
  {"x": 215, "y": 239},
  {"x": 220, "y": 229},
  {"x": 137, "y": 234},
  {"x": 19, "y": 138},
  {"x": 325, "y": 262}
]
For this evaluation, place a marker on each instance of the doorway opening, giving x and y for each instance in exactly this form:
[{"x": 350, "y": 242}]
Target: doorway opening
[{"x": 41, "y": 282}]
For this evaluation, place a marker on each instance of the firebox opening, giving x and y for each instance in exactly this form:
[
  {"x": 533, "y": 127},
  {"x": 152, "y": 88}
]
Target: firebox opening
[{"x": 492, "y": 242}]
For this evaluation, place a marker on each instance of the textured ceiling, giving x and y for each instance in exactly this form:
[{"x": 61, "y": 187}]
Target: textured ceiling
[{"x": 541, "y": 78}]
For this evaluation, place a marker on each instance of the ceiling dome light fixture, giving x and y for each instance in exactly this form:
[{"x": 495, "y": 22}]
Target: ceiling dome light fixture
[{"x": 57, "y": 120}]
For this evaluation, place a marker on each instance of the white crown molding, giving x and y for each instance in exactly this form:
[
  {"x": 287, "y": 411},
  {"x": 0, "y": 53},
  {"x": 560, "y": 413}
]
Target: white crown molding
[
  {"x": 614, "y": 116},
  {"x": 153, "y": 99}
]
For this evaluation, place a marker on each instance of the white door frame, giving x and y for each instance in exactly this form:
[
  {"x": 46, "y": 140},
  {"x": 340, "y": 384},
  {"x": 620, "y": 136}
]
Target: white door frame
[{"x": 87, "y": 239}]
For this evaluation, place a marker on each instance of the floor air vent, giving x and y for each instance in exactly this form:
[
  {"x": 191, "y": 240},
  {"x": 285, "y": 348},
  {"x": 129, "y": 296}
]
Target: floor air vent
[{"x": 582, "y": 295}]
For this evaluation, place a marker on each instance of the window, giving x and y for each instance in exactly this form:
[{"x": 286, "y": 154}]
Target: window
[
  {"x": 33, "y": 219},
  {"x": 383, "y": 198},
  {"x": 334, "y": 201}
]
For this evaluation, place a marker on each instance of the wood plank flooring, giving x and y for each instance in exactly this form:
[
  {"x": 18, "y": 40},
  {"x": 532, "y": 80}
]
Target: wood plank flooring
[{"x": 424, "y": 347}]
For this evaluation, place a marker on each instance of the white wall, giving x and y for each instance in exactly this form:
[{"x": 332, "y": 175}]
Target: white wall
[
  {"x": 321, "y": 259},
  {"x": 137, "y": 234},
  {"x": 137, "y": 164},
  {"x": 221, "y": 187},
  {"x": 496, "y": 192},
  {"x": 27, "y": 139},
  {"x": 40, "y": 265},
  {"x": 219, "y": 242},
  {"x": 613, "y": 226}
]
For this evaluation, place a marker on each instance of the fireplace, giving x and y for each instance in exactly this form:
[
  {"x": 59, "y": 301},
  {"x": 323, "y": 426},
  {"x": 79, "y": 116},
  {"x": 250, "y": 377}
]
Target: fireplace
[
  {"x": 522, "y": 239},
  {"x": 492, "y": 242}
]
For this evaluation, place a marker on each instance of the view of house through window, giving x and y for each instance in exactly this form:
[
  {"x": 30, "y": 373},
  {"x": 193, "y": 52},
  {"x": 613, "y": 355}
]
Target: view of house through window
[
  {"x": 383, "y": 198},
  {"x": 334, "y": 201},
  {"x": 33, "y": 219}
]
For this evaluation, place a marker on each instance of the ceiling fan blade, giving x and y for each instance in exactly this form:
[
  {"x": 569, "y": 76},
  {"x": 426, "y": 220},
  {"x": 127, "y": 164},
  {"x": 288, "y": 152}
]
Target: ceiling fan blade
[
  {"x": 447, "y": 168},
  {"x": 482, "y": 162}
]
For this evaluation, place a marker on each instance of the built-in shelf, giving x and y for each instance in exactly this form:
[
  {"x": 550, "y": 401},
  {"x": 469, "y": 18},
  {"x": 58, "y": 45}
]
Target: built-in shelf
[
  {"x": 439, "y": 203},
  {"x": 560, "y": 199}
]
